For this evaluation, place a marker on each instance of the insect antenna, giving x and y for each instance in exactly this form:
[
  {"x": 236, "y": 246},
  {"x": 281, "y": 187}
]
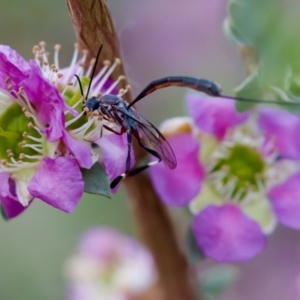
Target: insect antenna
[
  {"x": 93, "y": 72},
  {"x": 80, "y": 85}
]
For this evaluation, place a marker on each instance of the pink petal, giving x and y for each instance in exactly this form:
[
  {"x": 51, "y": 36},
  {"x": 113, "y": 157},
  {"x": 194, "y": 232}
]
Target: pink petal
[
  {"x": 225, "y": 234},
  {"x": 99, "y": 242},
  {"x": 8, "y": 198},
  {"x": 12, "y": 65},
  {"x": 179, "y": 186},
  {"x": 284, "y": 128},
  {"x": 58, "y": 182},
  {"x": 103, "y": 242},
  {"x": 114, "y": 153},
  {"x": 81, "y": 150},
  {"x": 47, "y": 100},
  {"x": 286, "y": 201},
  {"x": 44, "y": 97},
  {"x": 214, "y": 115}
]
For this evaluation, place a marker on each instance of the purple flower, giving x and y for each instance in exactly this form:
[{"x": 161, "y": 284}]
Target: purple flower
[
  {"x": 32, "y": 133},
  {"x": 237, "y": 172},
  {"x": 45, "y": 136},
  {"x": 108, "y": 265},
  {"x": 88, "y": 128}
]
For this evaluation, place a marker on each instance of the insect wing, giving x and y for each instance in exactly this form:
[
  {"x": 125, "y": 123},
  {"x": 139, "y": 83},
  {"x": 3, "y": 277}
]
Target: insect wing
[
  {"x": 154, "y": 137},
  {"x": 160, "y": 145}
]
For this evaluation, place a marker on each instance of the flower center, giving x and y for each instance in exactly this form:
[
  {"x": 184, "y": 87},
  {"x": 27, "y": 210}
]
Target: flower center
[
  {"x": 80, "y": 124},
  {"x": 20, "y": 139},
  {"x": 239, "y": 171}
]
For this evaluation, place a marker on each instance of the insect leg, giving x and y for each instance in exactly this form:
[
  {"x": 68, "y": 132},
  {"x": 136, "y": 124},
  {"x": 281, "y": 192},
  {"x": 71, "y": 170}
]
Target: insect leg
[
  {"x": 115, "y": 182},
  {"x": 150, "y": 164},
  {"x": 112, "y": 130}
]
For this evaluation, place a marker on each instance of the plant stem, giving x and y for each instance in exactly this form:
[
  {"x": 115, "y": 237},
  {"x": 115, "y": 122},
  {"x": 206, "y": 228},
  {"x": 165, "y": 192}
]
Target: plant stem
[{"x": 94, "y": 26}]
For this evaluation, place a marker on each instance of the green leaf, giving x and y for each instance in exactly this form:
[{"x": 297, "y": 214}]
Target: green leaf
[
  {"x": 194, "y": 253},
  {"x": 3, "y": 214},
  {"x": 284, "y": 97},
  {"x": 213, "y": 282},
  {"x": 96, "y": 181},
  {"x": 271, "y": 28},
  {"x": 233, "y": 34},
  {"x": 250, "y": 89}
]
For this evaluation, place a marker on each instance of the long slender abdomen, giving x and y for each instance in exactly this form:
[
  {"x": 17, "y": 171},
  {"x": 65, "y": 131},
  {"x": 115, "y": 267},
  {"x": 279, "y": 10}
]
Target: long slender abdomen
[{"x": 202, "y": 85}]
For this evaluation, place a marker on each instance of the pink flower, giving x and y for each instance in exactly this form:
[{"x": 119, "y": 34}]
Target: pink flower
[
  {"x": 33, "y": 135},
  {"x": 108, "y": 265},
  {"x": 42, "y": 157},
  {"x": 89, "y": 128},
  {"x": 238, "y": 173}
]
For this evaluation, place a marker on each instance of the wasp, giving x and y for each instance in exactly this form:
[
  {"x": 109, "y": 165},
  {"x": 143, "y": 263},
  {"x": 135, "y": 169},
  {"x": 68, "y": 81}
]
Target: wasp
[{"x": 131, "y": 122}]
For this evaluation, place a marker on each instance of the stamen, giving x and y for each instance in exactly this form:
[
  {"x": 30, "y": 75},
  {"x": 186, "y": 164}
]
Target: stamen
[
  {"x": 238, "y": 196},
  {"x": 21, "y": 144},
  {"x": 93, "y": 60},
  {"x": 122, "y": 92},
  {"x": 36, "y": 148},
  {"x": 73, "y": 61},
  {"x": 31, "y": 126},
  {"x": 23, "y": 155},
  {"x": 95, "y": 134},
  {"x": 84, "y": 127},
  {"x": 101, "y": 73},
  {"x": 107, "y": 74},
  {"x": 81, "y": 64},
  {"x": 38, "y": 140},
  {"x": 217, "y": 175},
  {"x": 22, "y": 95},
  {"x": 259, "y": 183},
  {"x": 74, "y": 119},
  {"x": 228, "y": 188},
  {"x": 28, "y": 114},
  {"x": 13, "y": 160},
  {"x": 10, "y": 154},
  {"x": 110, "y": 89},
  {"x": 45, "y": 63},
  {"x": 56, "y": 53}
]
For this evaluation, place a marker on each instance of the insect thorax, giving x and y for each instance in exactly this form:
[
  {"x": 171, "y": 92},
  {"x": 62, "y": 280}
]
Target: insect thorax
[{"x": 92, "y": 104}]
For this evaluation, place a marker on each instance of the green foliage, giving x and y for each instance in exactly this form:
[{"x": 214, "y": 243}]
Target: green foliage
[
  {"x": 96, "y": 181},
  {"x": 269, "y": 28},
  {"x": 215, "y": 281},
  {"x": 3, "y": 214},
  {"x": 194, "y": 253}
]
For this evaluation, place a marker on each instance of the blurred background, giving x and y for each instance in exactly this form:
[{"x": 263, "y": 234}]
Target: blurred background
[{"x": 158, "y": 38}]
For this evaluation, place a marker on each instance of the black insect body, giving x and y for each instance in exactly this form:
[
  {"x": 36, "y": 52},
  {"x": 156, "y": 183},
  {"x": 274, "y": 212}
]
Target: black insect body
[{"x": 114, "y": 108}]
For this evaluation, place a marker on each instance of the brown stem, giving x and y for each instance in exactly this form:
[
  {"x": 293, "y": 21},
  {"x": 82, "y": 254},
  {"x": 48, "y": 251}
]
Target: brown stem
[
  {"x": 94, "y": 26},
  {"x": 157, "y": 231}
]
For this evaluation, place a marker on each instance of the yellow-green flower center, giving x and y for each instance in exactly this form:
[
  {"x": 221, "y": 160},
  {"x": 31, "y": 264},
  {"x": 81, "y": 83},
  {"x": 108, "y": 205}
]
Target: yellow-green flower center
[
  {"x": 19, "y": 138},
  {"x": 239, "y": 171},
  {"x": 81, "y": 126}
]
